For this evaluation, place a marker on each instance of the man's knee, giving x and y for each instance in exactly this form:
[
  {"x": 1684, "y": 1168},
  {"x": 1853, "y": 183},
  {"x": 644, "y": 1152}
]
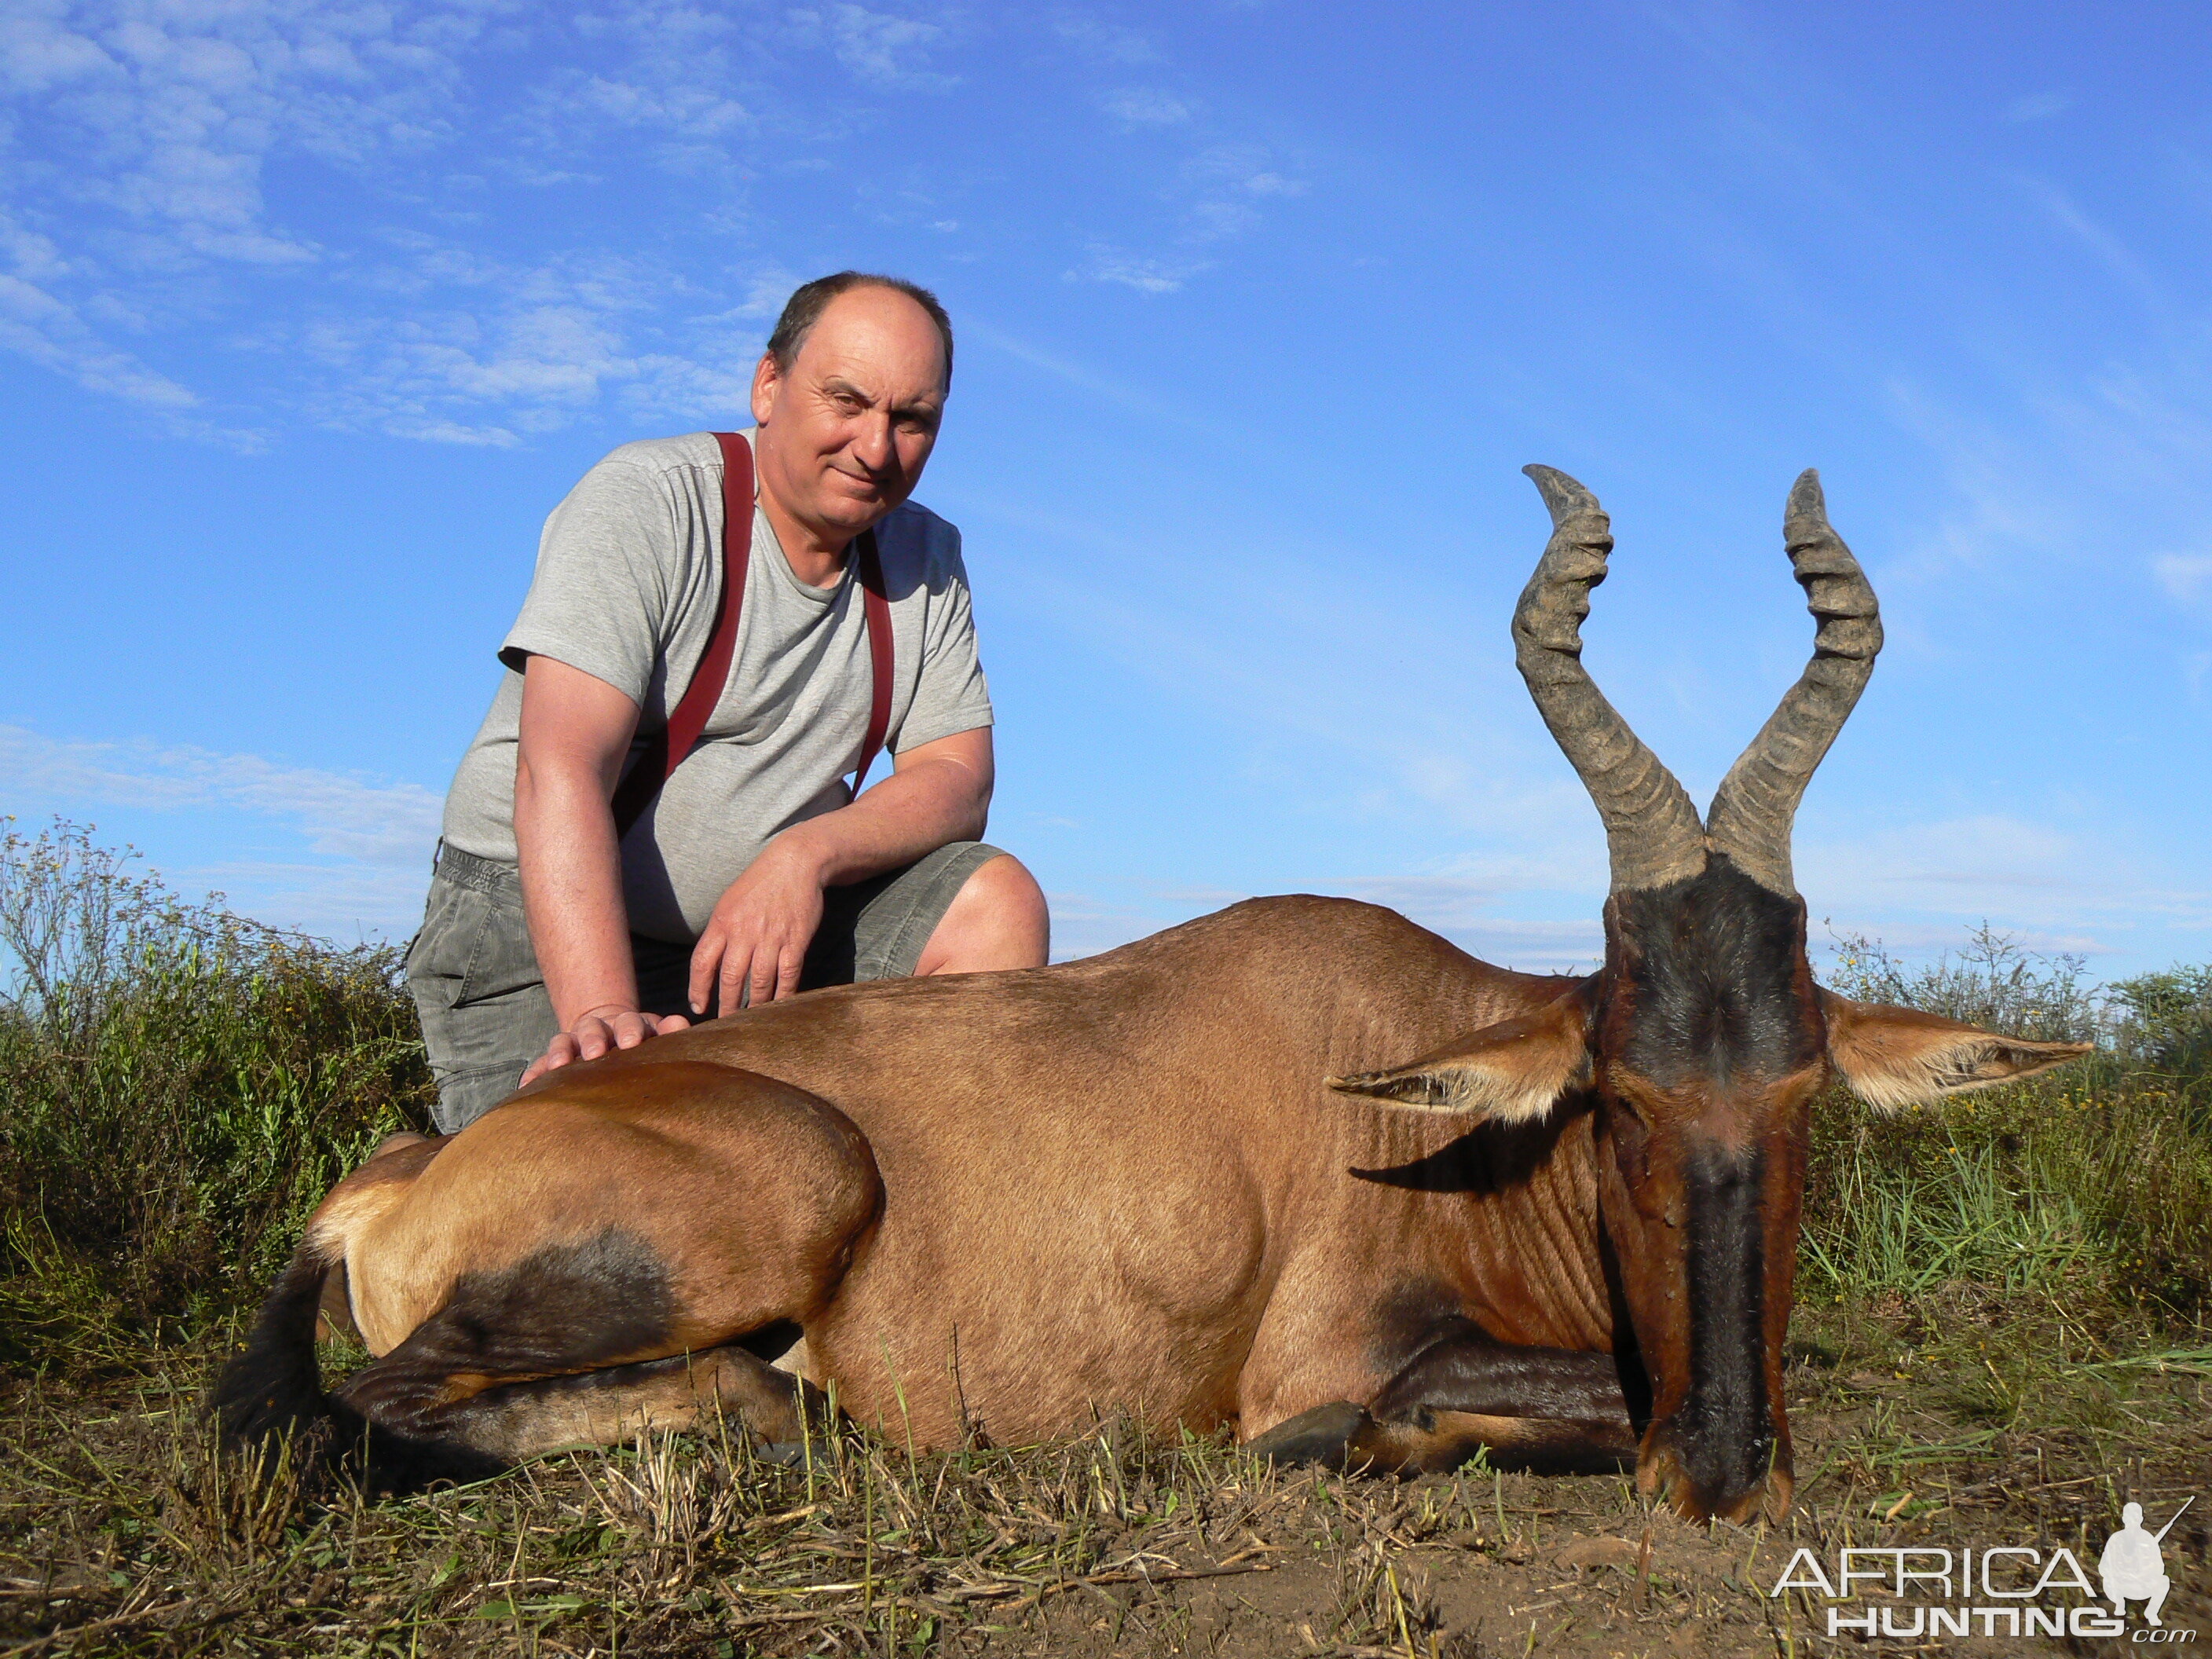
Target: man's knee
[{"x": 997, "y": 920}]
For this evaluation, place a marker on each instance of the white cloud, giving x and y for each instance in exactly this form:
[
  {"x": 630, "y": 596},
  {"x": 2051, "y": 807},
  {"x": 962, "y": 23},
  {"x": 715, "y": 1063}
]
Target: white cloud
[
  {"x": 878, "y": 46},
  {"x": 372, "y": 838},
  {"x": 344, "y": 815},
  {"x": 1096, "y": 38},
  {"x": 537, "y": 347},
  {"x": 1146, "y": 276},
  {"x": 1943, "y": 875},
  {"x": 1139, "y": 108},
  {"x": 140, "y": 204},
  {"x": 2186, "y": 576},
  {"x": 52, "y": 334},
  {"x": 2038, "y": 106}
]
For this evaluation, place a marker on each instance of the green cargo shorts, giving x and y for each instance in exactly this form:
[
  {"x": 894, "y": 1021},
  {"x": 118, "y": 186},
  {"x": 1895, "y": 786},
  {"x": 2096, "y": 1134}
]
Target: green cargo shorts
[{"x": 482, "y": 1003}]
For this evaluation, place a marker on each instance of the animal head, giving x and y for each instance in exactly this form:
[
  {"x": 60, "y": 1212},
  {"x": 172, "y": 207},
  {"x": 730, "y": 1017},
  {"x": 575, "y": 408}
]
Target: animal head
[{"x": 1704, "y": 1039}]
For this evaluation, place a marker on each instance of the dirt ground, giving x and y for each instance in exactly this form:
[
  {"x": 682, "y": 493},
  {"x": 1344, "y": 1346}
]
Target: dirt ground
[{"x": 118, "y": 1534}]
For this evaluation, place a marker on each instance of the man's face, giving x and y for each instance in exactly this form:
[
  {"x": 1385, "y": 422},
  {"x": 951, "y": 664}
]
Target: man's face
[{"x": 845, "y": 433}]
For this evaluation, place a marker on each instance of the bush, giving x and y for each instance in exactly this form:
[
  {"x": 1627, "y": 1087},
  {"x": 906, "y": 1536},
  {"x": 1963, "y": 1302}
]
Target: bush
[
  {"x": 178, "y": 1087},
  {"x": 2095, "y": 1179}
]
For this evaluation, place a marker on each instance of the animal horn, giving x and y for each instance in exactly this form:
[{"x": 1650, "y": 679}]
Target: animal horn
[
  {"x": 1757, "y": 803},
  {"x": 1651, "y": 829}
]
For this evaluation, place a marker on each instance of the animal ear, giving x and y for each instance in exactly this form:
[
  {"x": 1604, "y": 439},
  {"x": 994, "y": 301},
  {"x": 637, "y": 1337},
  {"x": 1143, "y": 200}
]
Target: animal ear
[
  {"x": 1894, "y": 1058},
  {"x": 1508, "y": 1072}
]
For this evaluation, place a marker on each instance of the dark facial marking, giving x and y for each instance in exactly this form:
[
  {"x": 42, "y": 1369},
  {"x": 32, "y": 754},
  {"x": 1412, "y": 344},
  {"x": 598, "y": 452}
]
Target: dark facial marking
[
  {"x": 1723, "y": 1431},
  {"x": 1708, "y": 980}
]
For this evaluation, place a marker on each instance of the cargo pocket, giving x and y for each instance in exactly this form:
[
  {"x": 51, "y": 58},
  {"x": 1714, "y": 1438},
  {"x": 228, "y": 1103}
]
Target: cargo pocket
[
  {"x": 500, "y": 961},
  {"x": 455, "y": 918}
]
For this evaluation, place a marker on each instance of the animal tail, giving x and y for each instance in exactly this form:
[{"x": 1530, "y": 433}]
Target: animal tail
[{"x": 272, "y": 1389}]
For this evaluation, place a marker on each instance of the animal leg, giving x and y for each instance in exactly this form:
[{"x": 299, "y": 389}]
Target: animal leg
[
  {"x": 1547, "y": 1410},
  {"x": 438, "y": 1404},
  {"x": 605, "y": 1407},
  {"x": 577, "y": 1342}
]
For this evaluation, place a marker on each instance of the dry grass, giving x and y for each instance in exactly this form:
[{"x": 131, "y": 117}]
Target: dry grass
[{"x": 1965, "y": 1417}]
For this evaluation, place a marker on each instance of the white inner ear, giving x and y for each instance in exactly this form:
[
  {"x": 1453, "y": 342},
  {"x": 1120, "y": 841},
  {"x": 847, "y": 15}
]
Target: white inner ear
[
  {"x": 1527, "y": 1092},
  {"x": 1490, "y": 1085},
  {"x": 1895, "y": 1081}
]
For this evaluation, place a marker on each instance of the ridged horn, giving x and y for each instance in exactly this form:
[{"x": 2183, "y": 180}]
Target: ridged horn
[
  {"x": 1651, "y": 830},
  {"x": 1756, "y": 805}
]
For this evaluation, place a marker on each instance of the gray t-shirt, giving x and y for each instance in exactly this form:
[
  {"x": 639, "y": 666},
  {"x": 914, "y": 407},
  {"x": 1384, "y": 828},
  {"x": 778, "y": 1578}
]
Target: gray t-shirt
[{"x": 629, "y": 581}]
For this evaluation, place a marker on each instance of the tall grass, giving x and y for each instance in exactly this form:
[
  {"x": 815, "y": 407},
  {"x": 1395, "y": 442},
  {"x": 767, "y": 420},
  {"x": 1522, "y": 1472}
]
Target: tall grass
[
  {"x": 179, "y": 1086},
  {"x": 2096, "y": 1180}
]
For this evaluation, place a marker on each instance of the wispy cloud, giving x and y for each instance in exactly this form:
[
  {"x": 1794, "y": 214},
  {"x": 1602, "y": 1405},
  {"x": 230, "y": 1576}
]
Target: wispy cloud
[
  {"x": 52, "y": 334},
  {"x": 1935, "y": 878},
  {"x": 1101, "y": 40},
  {"x": 2186, "y": 576},
  {"x": 878, "y": 46},
  {"x": 1146, "y": 276},
  {"x": 359, "y": 857},
  {"x": 2038, "y": 106},
  {"x": 341, "y": 815},
  {"x": 1139, "y": 108}
]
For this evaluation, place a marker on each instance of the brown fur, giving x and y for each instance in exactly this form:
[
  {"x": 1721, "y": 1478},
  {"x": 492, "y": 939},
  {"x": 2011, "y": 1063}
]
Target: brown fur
[
  {"x": 1117, "y": 1184},
  {"x": 1008, "y": 1203}
]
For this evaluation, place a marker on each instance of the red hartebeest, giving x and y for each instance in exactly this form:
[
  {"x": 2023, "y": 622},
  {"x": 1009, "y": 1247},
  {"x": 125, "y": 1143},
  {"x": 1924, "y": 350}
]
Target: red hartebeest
[{"x": 1178, "y": 1180}]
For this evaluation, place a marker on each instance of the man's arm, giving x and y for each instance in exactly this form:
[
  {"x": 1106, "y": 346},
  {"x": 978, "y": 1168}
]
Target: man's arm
[
  {"x": 575, "y": 732},
  {"x": 939, "y": 791}
]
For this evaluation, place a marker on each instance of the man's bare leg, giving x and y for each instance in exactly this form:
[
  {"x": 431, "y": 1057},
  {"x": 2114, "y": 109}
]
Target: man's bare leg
[{"x": 997, "y": 920}]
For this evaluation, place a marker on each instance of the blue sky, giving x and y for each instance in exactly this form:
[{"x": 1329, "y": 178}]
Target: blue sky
[{"x": 313, "y": 311}]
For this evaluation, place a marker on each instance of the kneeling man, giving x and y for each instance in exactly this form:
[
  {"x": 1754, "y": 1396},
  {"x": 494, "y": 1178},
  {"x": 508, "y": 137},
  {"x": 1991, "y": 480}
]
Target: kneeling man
[{"x": 578, "y": 908}]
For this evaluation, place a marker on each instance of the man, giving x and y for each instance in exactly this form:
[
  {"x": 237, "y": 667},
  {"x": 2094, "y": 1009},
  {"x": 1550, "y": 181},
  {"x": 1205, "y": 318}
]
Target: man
[{"x": 550, "y": 936}]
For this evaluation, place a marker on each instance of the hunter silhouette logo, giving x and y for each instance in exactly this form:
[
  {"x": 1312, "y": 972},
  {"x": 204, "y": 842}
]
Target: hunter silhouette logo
[
  {"x": 2132, "y": 1567},
  {"x": 2004, "y": 1589}
]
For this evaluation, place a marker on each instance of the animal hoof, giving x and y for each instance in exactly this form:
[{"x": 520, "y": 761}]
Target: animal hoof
[
  {"x": 1323, "y": 1436},
  {"x": 785, "y": 1453}
]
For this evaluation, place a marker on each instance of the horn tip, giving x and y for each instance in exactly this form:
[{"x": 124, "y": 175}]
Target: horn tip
[
  {"x": 1805, "y": 496},
  {"x": 1562, "y": 494}
]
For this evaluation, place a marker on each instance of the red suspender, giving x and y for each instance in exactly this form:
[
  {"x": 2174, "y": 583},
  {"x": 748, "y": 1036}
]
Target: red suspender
[
  {"x": 880, "y": 656},
  {"x": 666, "y": 750}
]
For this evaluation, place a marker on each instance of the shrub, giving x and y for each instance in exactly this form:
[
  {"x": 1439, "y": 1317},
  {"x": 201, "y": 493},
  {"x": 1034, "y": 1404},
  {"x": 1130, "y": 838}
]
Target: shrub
[
  {"x": 2095, "y": 1179},
  {"x": 178, "y": 1087}
]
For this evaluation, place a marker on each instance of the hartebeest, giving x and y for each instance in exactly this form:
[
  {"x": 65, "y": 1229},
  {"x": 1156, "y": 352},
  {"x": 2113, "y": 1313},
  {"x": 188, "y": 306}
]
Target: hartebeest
[{"x": 1179, "y": 1181}]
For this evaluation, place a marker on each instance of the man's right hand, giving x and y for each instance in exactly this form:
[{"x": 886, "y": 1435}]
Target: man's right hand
[{"x": 597, "y": 1032}]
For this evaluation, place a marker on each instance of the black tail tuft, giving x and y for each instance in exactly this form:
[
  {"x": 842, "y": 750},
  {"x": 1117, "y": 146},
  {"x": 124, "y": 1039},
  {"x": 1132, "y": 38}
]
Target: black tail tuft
[{"x": 273, "y": 1390}]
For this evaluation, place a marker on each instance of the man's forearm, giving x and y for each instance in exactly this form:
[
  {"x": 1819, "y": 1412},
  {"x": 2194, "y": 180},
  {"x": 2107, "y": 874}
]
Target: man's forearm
[
  {"x": 913, "y": 811},
  {"x": 571, "y": 864}
]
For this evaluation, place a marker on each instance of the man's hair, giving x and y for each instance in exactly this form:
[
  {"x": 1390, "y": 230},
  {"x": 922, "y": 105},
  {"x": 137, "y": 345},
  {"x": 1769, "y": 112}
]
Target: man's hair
[{"x": 804, "y": 309}]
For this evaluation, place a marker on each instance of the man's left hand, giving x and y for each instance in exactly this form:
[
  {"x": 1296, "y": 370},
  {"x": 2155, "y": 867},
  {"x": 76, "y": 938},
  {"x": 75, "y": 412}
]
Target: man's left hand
[{"x": 756, "y": 941}]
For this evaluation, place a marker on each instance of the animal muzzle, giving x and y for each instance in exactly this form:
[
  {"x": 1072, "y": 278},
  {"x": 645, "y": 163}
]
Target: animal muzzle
[{"x": 1719, "y": 1443}]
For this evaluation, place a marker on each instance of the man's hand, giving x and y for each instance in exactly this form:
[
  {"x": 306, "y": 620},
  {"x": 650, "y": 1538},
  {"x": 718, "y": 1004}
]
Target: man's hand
[
  {"x": 596, "y": 1031},
  {"x": 757, "y": 938}
]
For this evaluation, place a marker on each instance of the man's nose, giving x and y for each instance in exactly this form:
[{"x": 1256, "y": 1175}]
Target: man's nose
[{"x": 873, "y": 447}]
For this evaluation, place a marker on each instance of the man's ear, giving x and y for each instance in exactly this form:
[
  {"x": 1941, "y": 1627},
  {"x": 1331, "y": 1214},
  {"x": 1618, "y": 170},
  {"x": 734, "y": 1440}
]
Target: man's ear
[
  {"x": 768, "y": 381},
  {"x": 1508, "y": 1072},
  {"x": 1897, "y": 1057}
]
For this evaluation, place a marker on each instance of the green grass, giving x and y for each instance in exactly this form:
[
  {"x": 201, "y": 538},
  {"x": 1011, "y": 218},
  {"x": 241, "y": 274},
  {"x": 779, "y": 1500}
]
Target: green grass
[{"x": 2002, "y": 1328}]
